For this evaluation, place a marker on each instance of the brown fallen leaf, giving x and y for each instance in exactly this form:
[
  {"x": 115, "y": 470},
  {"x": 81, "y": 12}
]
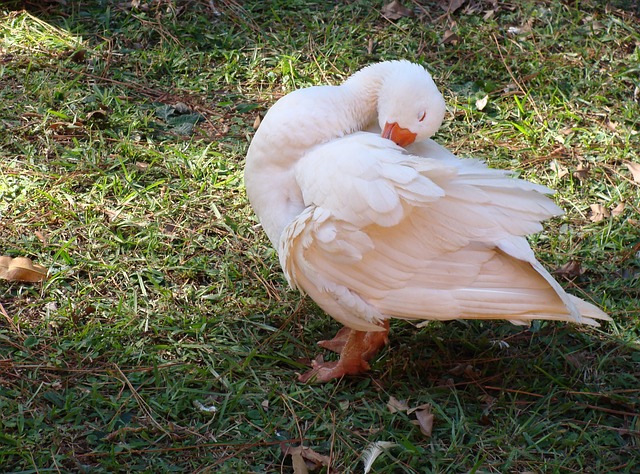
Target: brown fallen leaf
[
  {"x": 98, "y": 115},
  {"x": 256, "y": 122},
  {"x": 395, "y": 10},
  {"x": 426, "y": 422},
  {"x": 450, "y": 37},
  {"x": 41, "y": 237},
  {"x": 488, "y": 400},
  {"x": 635, "y": 170},
  {"x": 577, "y": 360},
  {"x": 599, "y": 212},
  {"x": 304, "y": 458},
  {"x": 370, "y": 46},
  {"x": 78, "y": 56},
  {"x": 182, "y": 108},
  {"x": 581, "y": 172},
  {"x": 460, "y": 369},
  {"x": 424, "y": 419},
  {"x": 570, "y": 270},
  {"x": 21, "y": 269},
  {"x": 451, "y": 6},
  {"x": 560, "y": 170},
  {"x": 394, "y": 405},
  {"x": 619, "y": 209},
  {"x": 299, "y": 465},
  {"x": 488, "y": 14},
  {"x": 613, "y": 126}
]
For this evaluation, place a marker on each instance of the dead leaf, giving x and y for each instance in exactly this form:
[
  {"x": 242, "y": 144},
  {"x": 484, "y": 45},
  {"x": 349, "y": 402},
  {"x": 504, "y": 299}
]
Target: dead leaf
[
  {"x": 619, "y": 209},
  {"x": 488, "y": 400},
  {"x": 576, "y": 360},
  {"x": 424, "y": 406},
  {"x": 304, "y": 458},
  {"x": 424, "y": 420},
  {"x": 460, "y": 369},
  {"x": 570, "y": 270},
  {"x": 424, "y": 417},
  {"x": 560, "y": 170},
  {"x": 581, "y": 172},
  {"x": 394, "y": 405},
  {"x": 299, "y": 466},
  {"x": 256, "y": 122},
  {"x": 450, "y": 37},
  {"x": 593, "y": 23},
  {"x": 635, "y": 170},
  {"x": 395, "y": 10},
  {"x": 451, "y": 6},
  {"x": 482, "y": 103},
  {"x": 78, "y": 56},
  {"x": 598, "y": 212},
  {"x": 510, "y": 89},
  {"x": 21, "y": 269},
  {"x": 98, "y": 115},
  {"x": 613, "y": 126},
  {"x": 182, "y": 108},
  {"x": 370, "y": 45},
  {"x": 488, "y": 14}
]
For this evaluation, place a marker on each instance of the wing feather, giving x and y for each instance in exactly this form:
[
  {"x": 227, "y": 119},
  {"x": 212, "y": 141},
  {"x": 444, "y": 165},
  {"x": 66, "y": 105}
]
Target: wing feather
[{"x": 388, "y": 234}]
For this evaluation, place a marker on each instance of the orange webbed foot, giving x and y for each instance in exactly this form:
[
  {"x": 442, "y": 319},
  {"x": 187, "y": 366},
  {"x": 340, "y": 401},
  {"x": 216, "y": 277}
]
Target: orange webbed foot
[
  {"x": 356, "y": 348},
  {"x": 338, "y": 342}
]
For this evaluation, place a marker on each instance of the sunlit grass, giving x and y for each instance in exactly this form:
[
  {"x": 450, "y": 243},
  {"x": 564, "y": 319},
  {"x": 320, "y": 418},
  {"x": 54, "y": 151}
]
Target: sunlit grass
[{"x": 165, "y": 338}]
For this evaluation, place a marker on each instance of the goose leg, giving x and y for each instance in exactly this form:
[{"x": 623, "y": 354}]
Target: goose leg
[
  {"x": 338, "y": 342},
  {"x": 356, "y": 349}
]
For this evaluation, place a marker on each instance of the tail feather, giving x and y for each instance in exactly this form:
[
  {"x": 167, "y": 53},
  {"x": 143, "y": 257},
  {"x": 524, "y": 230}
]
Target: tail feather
[{"x": 589, "y": 312}]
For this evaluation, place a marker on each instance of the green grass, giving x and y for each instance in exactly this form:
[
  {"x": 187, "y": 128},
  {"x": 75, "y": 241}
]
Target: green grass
[{"x": 164, "y": 298}]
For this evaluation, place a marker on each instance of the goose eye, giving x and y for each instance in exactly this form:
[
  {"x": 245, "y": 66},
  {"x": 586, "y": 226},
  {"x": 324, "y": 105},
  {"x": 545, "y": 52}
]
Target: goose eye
[{"x": 422, "y": 117}]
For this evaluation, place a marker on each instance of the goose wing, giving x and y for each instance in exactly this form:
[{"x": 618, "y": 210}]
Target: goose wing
[{"x": 388, "y": 234}]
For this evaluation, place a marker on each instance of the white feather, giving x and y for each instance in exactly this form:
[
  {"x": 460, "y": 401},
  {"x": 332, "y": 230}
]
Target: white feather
[
  {"x": 372, "y": 231},
  {"x": 371, "y": 453}
]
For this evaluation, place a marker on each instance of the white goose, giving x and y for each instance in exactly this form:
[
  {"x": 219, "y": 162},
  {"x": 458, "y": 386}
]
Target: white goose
[{"x": 373, "y": 229}]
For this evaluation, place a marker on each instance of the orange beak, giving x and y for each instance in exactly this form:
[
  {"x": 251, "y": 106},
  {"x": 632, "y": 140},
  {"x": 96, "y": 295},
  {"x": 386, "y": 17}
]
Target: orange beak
[{"x": 401, "y": 136}]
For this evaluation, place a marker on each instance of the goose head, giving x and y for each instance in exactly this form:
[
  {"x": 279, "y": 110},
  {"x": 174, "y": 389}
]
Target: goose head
[{"x": 410, "y": 106}]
